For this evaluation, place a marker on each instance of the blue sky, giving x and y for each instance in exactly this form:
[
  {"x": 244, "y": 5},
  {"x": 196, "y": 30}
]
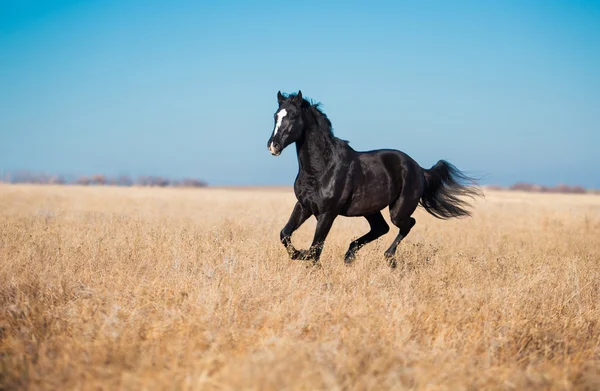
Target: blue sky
[{"x": 506, "y": 89}]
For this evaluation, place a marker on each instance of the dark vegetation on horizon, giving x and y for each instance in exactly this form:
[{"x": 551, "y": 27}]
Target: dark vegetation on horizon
[
  {"x": 99, "y": 180},
  {"x": 533, "y": 188}
]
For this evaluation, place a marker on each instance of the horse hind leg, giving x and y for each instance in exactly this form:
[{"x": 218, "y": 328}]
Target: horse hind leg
[
  {"x": 400, "y": 213},
  {"x": 378, "y": 228},
  {"x": 405, "y": 227}
]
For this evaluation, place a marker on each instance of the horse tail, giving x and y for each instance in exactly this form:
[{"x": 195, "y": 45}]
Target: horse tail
[{"x": 444, "y": 187}]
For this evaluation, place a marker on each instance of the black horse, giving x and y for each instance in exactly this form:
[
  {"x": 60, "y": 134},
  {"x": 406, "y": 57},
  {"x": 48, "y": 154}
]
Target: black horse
[{"x": 334, "y": 179}]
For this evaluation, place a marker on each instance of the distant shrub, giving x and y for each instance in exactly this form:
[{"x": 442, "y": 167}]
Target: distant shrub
[
  {"x": 152, "y": 181},
  {"x": 83, "y": 180},
  {"x": 124, "y": 180},
  {"x": 191, "y": 182},
  {"x": 98, "y": 179},
  {"x": 562, "y": 188}
]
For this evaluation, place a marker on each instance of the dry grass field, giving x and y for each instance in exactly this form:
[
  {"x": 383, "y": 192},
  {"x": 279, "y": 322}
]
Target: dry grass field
[{"x": 190, "y": 289}]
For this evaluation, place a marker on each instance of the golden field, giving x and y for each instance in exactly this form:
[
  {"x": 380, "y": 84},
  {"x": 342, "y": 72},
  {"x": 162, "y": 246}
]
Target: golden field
[{"x": 190, "y": 289}]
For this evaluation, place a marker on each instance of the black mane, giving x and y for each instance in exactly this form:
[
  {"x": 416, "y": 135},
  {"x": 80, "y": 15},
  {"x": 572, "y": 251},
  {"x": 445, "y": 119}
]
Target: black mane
[{"x": 320, "y": 117}]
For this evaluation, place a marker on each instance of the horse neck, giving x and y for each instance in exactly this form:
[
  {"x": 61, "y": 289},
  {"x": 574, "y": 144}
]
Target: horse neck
[{"x": 316, "y": 147}]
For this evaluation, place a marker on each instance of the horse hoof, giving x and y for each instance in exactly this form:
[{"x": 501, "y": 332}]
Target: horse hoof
[
  {"x": 349, "y": 259},
  {"x": 391, "y": 261},
  {"x": 299, "y": 255}
]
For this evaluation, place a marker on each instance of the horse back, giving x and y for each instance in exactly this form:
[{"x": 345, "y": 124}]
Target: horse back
[{"x": 380, "y": 178}]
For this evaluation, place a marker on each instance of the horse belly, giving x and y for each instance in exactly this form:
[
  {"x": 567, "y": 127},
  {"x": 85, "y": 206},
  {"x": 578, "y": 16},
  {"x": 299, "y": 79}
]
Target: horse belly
[{"x": 371, "y": 195}]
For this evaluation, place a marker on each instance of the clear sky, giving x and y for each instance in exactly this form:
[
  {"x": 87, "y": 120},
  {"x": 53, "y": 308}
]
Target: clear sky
[{"x": 507, "y": 89}]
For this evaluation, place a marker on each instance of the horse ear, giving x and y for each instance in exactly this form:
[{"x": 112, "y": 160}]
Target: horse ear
[
  {"x": 298, "y": 98},
  {"x": 280, "y": 97}
]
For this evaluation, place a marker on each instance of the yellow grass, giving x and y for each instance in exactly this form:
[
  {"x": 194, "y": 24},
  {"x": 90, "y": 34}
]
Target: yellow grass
[{"x": 126, "y": 288}]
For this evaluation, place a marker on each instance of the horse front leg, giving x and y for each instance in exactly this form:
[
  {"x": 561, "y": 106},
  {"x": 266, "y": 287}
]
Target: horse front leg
[
  {"x": 324, "y": 223},
  {"x": 297, "y": 218}
]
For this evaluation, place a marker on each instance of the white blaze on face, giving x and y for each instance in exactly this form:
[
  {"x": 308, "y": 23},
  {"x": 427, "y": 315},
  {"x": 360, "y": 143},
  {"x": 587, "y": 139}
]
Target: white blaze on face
[{"x": 280, "y": 115}]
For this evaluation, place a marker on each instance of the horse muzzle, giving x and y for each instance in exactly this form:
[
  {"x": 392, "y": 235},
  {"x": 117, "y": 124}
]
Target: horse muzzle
[{"x": 274, "y": 148}]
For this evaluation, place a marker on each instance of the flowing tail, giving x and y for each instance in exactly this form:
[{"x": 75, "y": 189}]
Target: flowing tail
[{"x": 444, "y": 187}]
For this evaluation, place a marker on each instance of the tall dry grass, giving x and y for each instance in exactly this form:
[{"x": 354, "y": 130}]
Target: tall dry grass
[{"x": 114, "y": 288}]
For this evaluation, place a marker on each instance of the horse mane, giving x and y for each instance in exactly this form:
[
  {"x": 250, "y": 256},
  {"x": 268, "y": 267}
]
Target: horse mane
[{"x": 321, "y": 118}]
